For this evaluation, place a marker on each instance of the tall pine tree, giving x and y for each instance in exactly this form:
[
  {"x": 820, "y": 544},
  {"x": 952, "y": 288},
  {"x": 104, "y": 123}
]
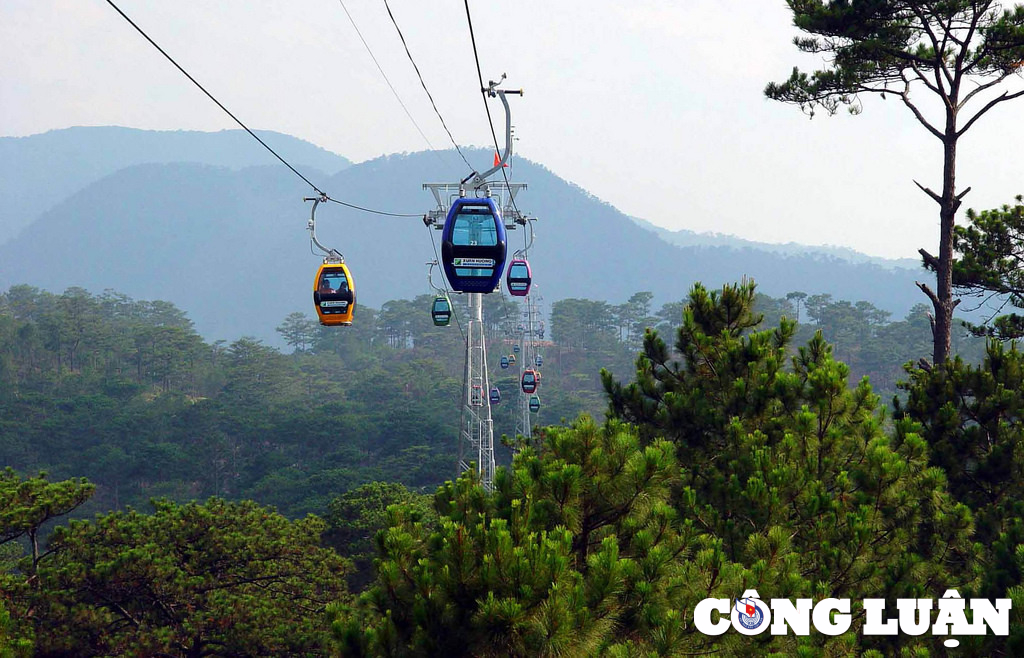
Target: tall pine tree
[{"x": 959, "y": 52}]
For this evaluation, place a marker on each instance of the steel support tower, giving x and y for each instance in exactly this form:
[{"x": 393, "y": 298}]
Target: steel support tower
[
  {"x": 525, "y": 334},
  {"x": 476, "y": 429}
]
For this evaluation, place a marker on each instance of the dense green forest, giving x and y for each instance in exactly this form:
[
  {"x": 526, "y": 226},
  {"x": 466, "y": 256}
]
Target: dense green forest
[
  {"x": 126, "y": 393},
  {"x": 743, "y": 447}
]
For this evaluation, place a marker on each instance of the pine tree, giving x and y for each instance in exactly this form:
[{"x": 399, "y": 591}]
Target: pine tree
[
  {"x": 958, "y": 51},
  {"x": 772, "y": 446},
  {"x": 575, "y": 553},
  {"x": 990, "y": 265},
  {"x": 209, "y": 579},
  {"x": 973, "y": 420}
]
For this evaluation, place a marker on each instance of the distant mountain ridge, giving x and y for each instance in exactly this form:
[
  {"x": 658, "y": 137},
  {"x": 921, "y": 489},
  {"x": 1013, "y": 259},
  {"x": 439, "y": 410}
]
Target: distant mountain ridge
[
  {"x": 685, "y": 238},
  {"x": 229, "y": 245},
  {"x": 39, "y": 171}
]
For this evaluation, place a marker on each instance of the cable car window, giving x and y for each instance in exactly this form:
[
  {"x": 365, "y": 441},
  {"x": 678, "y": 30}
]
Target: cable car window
[
  {"x": 333, "y": 281},
  {"x": 475, "y": 226}
]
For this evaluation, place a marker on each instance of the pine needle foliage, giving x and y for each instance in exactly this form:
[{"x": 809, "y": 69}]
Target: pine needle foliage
[{"x": 779, "y": 455}]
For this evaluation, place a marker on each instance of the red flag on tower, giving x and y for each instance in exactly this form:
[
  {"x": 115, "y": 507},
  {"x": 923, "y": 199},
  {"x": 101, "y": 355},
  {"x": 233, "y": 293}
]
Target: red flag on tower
[{"x": 498, "y": 159}]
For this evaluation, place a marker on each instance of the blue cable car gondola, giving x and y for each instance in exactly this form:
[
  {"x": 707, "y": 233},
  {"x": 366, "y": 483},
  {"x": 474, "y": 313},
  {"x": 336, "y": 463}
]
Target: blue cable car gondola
[
  {"x": 441, "y": 311},
  {"x": 538, "y": 360},
  {"x": 504, "y": 362},
  {"x": 495, "y": 395},
  {"x": 530, "y": 381},
  {"x": 473, "y": 245},
  {"x": 519, "y": 277},
  {"x": 534, "y": 403},
  {"x": 515, "y": 348}
]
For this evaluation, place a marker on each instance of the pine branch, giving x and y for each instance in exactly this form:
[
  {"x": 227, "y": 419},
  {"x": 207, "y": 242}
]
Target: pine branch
[
  {"x": 935, "y": 197},
  {"x": 1005, "y": 96},
  {"x": 905, "y": 97},
  {"x": 931, "y": 295},
  {"x": 931, "y": 262},
  {"x": 980, "y": 88}
]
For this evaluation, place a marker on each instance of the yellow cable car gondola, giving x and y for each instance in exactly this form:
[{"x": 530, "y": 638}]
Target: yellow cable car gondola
[
  {"x": 334, "y": 291},
  {"x": 334, "y": 294}
]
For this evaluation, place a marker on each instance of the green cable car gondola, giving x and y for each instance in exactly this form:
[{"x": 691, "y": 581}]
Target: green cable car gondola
[
  {"x": 441, "y": 311},
  {"x": 534, "y": 403}
]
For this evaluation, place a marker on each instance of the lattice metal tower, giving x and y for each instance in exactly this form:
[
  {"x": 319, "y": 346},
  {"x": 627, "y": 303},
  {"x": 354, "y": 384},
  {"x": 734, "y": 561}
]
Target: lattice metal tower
[
  {"x": 526, "y": 334},
  {"x": 476, "y": 429}
]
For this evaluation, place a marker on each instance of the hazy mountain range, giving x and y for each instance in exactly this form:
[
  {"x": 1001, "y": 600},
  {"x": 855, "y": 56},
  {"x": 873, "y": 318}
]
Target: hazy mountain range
[
  {"x": 685, "y": 238},
  {"x": 214, "y": 224},
  {"x": 40, "y": 171}
]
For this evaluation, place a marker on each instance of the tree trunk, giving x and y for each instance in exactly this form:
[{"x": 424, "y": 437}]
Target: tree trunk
[{"x": 944, "y": 304}]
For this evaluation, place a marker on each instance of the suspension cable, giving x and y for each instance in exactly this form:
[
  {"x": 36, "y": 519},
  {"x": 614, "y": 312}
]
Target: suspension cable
[
  {"x": 424, "y": 84},
  {"x": 245, "y": 127},
  {"x": 483, "y": 92},
  {"x": 388, "y": 81}
]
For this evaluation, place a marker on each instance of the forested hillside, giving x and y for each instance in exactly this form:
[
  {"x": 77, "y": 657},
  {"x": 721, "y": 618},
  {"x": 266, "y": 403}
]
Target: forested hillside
[{"x": 126, "y": 394}]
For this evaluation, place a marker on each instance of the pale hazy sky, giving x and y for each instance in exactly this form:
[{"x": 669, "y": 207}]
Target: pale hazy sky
[{"x": 655, "y": 106}]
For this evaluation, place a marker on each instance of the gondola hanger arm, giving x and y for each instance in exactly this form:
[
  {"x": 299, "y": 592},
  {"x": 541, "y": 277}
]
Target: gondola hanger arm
[
  {"x": 330, "y": 255},
  {"x": 479, "y": 180}
]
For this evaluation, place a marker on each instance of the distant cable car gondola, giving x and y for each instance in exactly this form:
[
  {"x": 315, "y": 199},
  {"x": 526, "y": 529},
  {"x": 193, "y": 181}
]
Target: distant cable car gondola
[
  {"x": 538, "y": 360},
  {"x": 334, "y": 294},
  {"x": 473, "y": 245},
  {"x": 530, "y": 381},
  {"x": 519, "y": 277},
  {"x": 441, "y": 311},
  {"x": 515, "y": 348},
  {"x": 511, "y": 359},
  {"x": 534, "y": 403},
  {"x": 495, "y": 395},
  {"x": 476, "y": 396},
  {"x": 504, "y": 362}
]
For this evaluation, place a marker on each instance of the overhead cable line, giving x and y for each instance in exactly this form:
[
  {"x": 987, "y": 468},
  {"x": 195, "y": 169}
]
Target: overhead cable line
[
  {"x": 483, "y": 92},
  {"x": 385, "y": 76},
  {"x": 371, "y": 210},
  {"x": 246, "y": 128},
  {"x": 424, "y": 84}
]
